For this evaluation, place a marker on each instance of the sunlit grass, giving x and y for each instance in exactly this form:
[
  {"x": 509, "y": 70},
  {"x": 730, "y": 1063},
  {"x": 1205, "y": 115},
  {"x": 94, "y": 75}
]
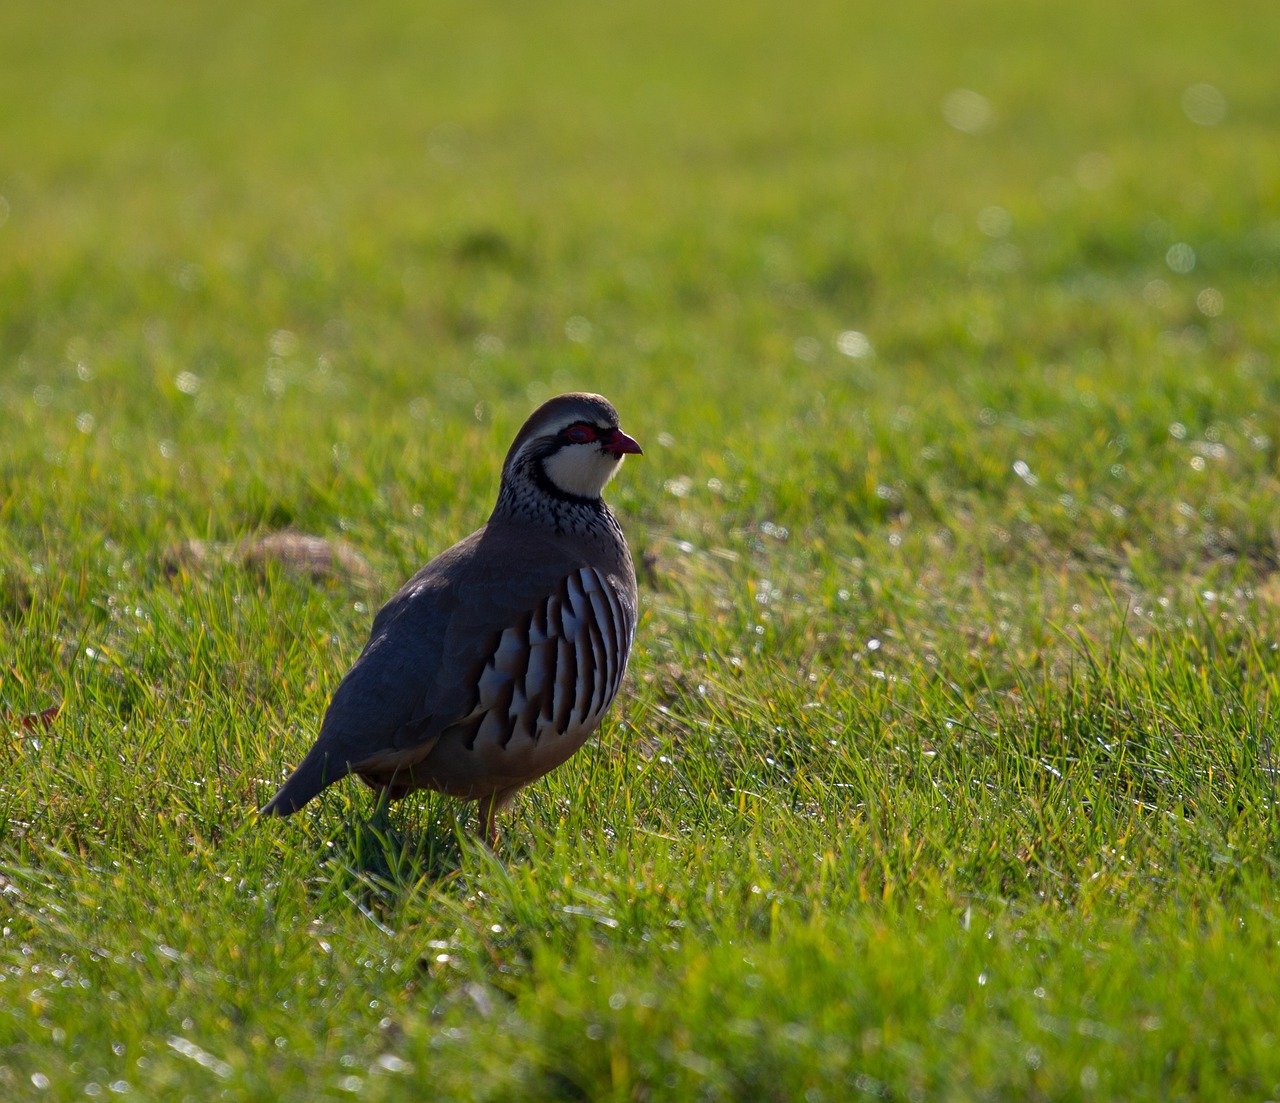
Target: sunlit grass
[{"x": 946, "y": 767}]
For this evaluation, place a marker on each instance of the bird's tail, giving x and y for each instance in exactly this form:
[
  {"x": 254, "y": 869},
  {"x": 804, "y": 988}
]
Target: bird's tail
[{"x": 314, "y": 773}]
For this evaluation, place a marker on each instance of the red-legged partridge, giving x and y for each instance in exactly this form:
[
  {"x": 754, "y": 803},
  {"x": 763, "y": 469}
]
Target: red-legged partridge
[{"x": 497, "y": 660}]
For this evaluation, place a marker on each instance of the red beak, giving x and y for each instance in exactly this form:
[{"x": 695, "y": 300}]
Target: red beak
[{"x": 619, "y": 444}]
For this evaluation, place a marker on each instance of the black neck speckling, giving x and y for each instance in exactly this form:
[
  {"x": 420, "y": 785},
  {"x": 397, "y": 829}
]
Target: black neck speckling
[{"x": 528, "y": 494}]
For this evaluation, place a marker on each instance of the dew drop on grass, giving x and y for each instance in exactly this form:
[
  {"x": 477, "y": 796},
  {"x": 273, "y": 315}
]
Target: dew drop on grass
[
  {"x": 678, "y": 487},
  {"x": 1180, "y": 258},
  {"x": 967, "y": 111},
  {"x": 1209, "y": 302},
  {"x": 578, "y": 329},
  {"x": 853, "y": 344},
  {"x": 1204, "y": 105},
  {"x": 283, "y": 342},
  {"x": 1156, "y": 293},
  {"x": 994, "y": 221}
]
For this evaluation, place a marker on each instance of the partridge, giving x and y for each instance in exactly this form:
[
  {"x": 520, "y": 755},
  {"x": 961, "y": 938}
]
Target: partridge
[{"x": 497, "y": 660}]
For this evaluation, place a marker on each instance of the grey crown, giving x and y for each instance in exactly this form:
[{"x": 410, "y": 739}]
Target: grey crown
[{"x": 496, "y": 661}]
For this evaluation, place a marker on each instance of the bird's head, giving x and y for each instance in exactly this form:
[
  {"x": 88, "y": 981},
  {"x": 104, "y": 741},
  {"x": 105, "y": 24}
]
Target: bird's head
[{"x": 568, "y": 449}]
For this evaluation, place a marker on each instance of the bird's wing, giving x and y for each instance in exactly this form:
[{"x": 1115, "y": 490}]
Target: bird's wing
[
  {"x": 419, "y": 671},
  {"x": 498, "y": 592}
]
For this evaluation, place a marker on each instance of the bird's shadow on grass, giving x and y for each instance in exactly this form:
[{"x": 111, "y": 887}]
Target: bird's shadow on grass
[{"x": 378, "y": 861}]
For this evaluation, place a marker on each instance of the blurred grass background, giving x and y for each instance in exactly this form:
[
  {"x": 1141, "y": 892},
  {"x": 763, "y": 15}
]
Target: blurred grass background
[{"x": 947, "y": 766}]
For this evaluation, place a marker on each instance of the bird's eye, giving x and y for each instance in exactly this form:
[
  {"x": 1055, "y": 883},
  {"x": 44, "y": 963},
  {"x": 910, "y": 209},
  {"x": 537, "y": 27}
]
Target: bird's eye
[{"x": 580, "y": 434}]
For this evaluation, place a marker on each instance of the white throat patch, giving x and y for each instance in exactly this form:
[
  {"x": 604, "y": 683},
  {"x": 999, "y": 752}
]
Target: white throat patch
[{"x": 581, "y": 469}]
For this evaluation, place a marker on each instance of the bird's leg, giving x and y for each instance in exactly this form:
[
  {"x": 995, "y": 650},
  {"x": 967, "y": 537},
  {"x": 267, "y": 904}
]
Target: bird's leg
[
  {"x": 487, "y": 828},
  {"x": 490, "y": 806}
]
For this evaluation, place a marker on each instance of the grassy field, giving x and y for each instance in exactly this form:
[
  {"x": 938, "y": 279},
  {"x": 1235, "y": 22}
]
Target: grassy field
[{"x": 947, "y": 768}]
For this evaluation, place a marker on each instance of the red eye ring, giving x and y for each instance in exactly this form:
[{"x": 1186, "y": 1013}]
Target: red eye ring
[{"x": 581, "y": 433}]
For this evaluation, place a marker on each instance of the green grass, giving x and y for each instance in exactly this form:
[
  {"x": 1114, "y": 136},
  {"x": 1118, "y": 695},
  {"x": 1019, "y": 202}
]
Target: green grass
[{"x": 947, "y": 766}]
